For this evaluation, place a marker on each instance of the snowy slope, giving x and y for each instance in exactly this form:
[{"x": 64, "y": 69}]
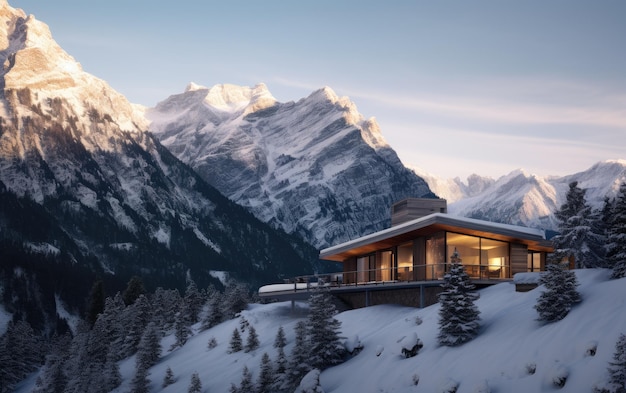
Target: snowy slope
[
  {"x": 315, "y": 167},
  {"x": 510, "y": 342},
  {"x": 523, "y": 198}
]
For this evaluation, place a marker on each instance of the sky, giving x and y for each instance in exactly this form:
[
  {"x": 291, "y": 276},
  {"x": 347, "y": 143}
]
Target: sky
[{"x": 457, "y": 87}]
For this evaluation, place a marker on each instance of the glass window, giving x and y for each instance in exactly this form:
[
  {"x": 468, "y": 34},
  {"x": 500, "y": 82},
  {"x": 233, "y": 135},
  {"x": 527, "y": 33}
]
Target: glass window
[
  {"x": 405, "y": 261},
  {"x": 362, "y": 269},
  {"x": 435, "y": 256},
  {"x": 494, "y": 258},
  {"x": 468, "y": 248},
  {"x": 534, "y": 261},
  {"x": 383, "y": 273}
]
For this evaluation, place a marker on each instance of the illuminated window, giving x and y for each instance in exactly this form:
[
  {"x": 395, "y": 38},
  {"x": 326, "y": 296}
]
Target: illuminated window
[{"x": 405, "y": 261}]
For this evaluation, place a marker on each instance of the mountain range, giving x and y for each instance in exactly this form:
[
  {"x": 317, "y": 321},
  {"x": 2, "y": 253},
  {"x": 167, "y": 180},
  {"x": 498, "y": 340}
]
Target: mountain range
[
  {"x": 88, "y": 194},
  {"x": 526, "y": 199},
  {"x": 213, "y": 179},
  {"x": 314, "y": 167}
]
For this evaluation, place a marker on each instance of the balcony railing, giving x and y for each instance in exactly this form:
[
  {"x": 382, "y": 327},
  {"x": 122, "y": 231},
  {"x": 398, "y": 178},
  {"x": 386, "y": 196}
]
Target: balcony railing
[{"x": 383, "y": 276}]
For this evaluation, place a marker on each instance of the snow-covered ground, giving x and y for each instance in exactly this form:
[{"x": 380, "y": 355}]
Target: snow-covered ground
[{"x": 511, "y": 344}]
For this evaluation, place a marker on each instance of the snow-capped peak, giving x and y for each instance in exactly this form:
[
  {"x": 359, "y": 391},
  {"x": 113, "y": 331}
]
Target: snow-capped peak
[{"x": 231, "y": 98}]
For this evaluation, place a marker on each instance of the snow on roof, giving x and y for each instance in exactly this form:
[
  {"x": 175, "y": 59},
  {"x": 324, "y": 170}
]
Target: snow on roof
[{"x": 439, "y": 218}]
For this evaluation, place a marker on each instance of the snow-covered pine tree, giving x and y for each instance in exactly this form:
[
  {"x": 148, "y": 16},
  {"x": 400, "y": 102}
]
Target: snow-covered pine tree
[
  {"x": 166, "y": 304},
  {"x": 168, "y": 379},
  {"x": 195, "y": 386},
  {"x": 299, "y": 364},
  {"x": 136, "y": 317},
  {"x": 194, "y": 300},
  {"x": 235, "y": 344},
  {"x": 266, "y": 378},
  {"x": 325, "y": 343},
  {"x": 140, "y": 381},
  {"x": 252, "y": 342},
  {"x": 579, "y": 236},
  {"x": 214, "y": 313},
  {"x": 458, "y": 315},
  {"x": 617, "y": 368},
  {"x": 181, "y": 329},
  {"x": 280, "y": 372},
  {"x": 20, "y": 353},
  {"x": 560, "y": 295},
  {"x": 246, "y": 384},
  {"x": 149, "y": 350},
  {"x": 616, "y": 233},
  {"x": 235, "y": 299}
]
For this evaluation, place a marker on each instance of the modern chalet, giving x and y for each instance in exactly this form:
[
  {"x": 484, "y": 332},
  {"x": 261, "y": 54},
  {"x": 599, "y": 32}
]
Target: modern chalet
[{"x": 405, "y": 263}]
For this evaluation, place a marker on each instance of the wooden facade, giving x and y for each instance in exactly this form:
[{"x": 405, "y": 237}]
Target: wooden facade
[{"x": 420, "y": 249}]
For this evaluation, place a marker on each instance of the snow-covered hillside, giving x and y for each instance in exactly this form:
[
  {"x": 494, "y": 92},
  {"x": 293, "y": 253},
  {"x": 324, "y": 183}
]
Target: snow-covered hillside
[
  {"x": 315, "y": 167},
  {"x": 510, "y": 344},
  {"x": 523, "y": 198}
]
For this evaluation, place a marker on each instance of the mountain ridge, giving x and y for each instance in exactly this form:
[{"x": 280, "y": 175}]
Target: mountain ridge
[
  {"x": 104, "y": 199},
  {"x": 527, "y": 199},
  {"x": 311, "y": 167}
]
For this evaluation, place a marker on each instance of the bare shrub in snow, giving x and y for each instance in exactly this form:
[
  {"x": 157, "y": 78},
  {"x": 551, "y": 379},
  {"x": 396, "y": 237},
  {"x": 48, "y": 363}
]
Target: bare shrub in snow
[
  {"x": 415, "y": 379},
  {"x": 559, "y": 376},
  {"x": 212, "y": 343},
  {"x": 449, "y": 386},
  {"x": 411, "y": 345},
  {"x": 531, "y": 368},
  {"x": 591, "y": 349},
  {"x": 379, "y": 350}
]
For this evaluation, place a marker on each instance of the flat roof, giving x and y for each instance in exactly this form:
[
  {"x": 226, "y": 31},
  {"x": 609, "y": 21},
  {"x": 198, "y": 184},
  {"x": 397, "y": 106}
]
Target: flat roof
[{"x": 534, "y": 238}]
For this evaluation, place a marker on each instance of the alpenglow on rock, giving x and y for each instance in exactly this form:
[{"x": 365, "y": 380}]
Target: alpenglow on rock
[
  {"x": 86, "y": 192},
  {"x": 315, "y": 167}
]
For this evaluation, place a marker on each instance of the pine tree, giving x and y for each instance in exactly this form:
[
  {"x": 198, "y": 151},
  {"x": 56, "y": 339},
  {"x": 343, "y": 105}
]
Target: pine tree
[
  {"x": 252, "y": 342},
  {"x": 560, "y": 295},
  {"x": 140, "y": 381},
  {"x": 299, "y": 364},
  {"x": 246, "y": 384},
  {"x": 181, "y": 330},
  {"x": 136, "y": 317},
  {"x": 166, "y": 304},
  {"x": 326, "y": 348},
  {"x": 168, "y": 379},
  {"x": 193, "y": 302},
  {"x": 149, "y": 350},
  {"x": 617, "y": 368},
  {"x": 195, "y": 385},
  {"x": 458, "y": 315},
  {"x": 235, "y": 300},
  {"x": 20, "y": 353},
  {"x": 235, "y": 344},
  {"x": 579, "y": 236},
  {"x": 96, "y": 302},
  {"x": 214, "y": 313},
  {"x": 280, "y": 373},
  {"x": 616, "y": 244},
  {"x": 133, "y": 290},
  {"x": 266, "y": 375}
]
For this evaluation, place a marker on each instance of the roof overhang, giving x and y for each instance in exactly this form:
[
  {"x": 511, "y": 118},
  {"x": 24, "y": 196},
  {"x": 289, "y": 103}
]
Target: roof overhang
[{"x": 428, "y": 225}]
